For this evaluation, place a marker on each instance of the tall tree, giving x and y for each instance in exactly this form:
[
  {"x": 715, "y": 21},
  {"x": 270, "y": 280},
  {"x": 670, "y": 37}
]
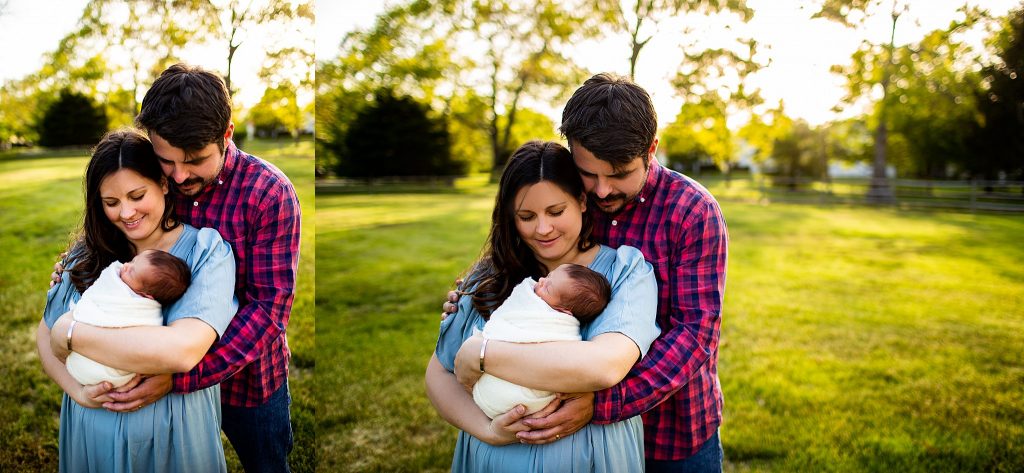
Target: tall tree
[
  {"x": 999, "y": 138},
  {"x": 714, "y": 86},
  {"x": 839, "y": 11},
  {"x": 242, "y": 19},
  {"x": 507, "y": 52},
  {"x": 639, "y": 19}
]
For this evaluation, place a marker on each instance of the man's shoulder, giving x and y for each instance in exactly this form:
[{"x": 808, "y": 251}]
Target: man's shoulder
[
  {"x": 262, "y": 174},
  {"x": 682, "y": 193}
]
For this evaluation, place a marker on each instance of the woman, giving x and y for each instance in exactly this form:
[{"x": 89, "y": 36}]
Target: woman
[
  {"x": 539, "y": 222},
  {"x": 127, "y": 211}
]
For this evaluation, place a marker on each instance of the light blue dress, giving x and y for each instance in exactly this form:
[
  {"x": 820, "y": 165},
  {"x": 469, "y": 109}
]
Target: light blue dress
[
  {"x": 179, "y": 432},
  {"x": 611, "y": 448}
]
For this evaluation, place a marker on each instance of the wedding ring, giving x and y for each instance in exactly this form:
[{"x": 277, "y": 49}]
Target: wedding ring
[{"x": 557, "y": 436}]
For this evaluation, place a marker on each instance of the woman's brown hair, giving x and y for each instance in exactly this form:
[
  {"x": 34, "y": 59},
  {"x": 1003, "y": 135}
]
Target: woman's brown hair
[{"x": 100, "y": 242}]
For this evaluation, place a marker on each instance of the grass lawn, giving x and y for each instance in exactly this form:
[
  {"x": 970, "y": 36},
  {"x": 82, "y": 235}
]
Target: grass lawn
[
  {"x": 853, "y": 339},
  {"x": 40, "y": 205}
]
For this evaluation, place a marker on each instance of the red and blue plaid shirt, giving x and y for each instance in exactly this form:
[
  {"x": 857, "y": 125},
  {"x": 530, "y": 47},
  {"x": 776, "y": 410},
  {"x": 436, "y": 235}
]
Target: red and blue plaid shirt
[
  {"x": 254, "y": 207},
  {"x": 678, "y": 226}
]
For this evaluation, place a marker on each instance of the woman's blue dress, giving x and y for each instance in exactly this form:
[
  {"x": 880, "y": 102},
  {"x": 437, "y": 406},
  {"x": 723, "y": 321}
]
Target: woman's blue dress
[
  {"x": 179, "y": 432},
  {"x": 611, "y": 448}
]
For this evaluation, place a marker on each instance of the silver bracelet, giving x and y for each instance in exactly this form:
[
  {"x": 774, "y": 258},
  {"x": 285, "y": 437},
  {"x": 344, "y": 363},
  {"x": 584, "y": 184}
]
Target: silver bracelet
[
  {"x": 71, "y": 328},
  {"x": 483, "y": 350}
]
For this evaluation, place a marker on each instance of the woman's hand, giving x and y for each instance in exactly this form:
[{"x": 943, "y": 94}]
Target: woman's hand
[
  {"x": 467, "y": 362},
  {"x": 92, "y": 396},
  {"x": 503, "y": 428},
  {"x": 58, "y": 269}
]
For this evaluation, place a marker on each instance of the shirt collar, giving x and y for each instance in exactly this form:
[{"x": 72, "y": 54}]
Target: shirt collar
[{"x": 231, "y": 157}]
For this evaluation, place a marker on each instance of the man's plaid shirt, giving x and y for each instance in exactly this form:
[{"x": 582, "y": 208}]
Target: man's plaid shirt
[
  {"x": 679, "y": 228},
  {"x": 254, "y": 207}
]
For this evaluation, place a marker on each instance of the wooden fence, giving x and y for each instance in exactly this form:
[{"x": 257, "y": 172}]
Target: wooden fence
[{"x": 971, "y": 196}]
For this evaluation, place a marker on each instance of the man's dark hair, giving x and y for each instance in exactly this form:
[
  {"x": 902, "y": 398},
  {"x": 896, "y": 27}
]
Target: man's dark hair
[
  {"x": 188, "y": 106},
  {"x": 611, "y": 117},
  {"x": 590, "y": 295},
  {"x": 170, "y": 277}
]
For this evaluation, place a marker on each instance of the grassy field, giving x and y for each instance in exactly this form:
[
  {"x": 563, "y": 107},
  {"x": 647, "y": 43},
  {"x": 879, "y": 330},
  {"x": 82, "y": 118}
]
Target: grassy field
[
  {"x": 853, "y": 339},
  {"x": 40, "y": 205}
]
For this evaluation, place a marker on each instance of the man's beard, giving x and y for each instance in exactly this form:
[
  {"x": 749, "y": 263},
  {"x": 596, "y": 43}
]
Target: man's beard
[{"x": 617, "y": 201}]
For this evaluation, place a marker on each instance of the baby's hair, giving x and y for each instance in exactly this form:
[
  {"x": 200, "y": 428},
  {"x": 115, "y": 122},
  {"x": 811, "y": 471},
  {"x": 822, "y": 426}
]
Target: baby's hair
[
  {"x": 170, "y": 277},
  {"x": 590, "y": 295}
]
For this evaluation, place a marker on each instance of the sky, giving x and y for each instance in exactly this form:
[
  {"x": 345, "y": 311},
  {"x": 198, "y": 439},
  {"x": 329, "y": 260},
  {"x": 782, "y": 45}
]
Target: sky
[
  {"x": 801, "y": 50},
  {"x": 31, "y": 28}
]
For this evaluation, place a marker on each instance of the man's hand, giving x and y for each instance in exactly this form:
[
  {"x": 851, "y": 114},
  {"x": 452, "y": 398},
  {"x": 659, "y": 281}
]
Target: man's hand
[
  {"x": 576, "y": 411},
  {"x": 58, "y": 269},
  {"x": 59, "y": 337},
  {"x": 451, "y": 306},
  {"x": 467, "y": 362},
  {"x": 143, "y": 394}
]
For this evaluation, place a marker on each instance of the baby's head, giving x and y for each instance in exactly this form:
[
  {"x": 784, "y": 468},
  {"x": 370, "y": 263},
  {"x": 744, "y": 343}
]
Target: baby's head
[
  {"x": 576, "y": 289},
  {"x": 157, "y": 275}
]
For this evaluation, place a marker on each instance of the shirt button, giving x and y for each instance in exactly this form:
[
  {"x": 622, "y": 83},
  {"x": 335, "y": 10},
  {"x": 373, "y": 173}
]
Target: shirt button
[
  {"x": 220, "y": 182},
  {"x": 615, "y": 222},
  {"x": 195, "y": 204},
  {"x": 642, "y": 200}
]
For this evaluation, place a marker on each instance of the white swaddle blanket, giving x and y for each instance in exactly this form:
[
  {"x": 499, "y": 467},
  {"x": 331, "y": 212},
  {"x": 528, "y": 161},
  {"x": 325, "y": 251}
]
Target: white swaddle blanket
[
  {"x": 523, "y": 318},
  {"x": 109, "y": 302}
]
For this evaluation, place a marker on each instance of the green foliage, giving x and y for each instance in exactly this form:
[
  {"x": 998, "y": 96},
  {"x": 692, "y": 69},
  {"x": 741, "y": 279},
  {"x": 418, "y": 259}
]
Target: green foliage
[
  {"x": 73, "y": 119},
  {"x": 999, "y": 137},
  {"x": 277, "y": 112},
  {"x": 639, "y": 19},
  {"x": 396, "y": 136},
  {"x": 441, "y": 53},
  {"x": 853, "y": 339}
]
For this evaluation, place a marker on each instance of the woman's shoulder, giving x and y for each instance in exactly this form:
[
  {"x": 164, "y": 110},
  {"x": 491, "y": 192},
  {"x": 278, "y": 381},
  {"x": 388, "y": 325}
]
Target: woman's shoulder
[
  {"x": 624, "y": 259},
  {"x": 197, "y": 244}
]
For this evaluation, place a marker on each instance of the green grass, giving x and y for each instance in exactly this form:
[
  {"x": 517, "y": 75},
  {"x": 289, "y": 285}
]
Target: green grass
[
  {"x": 40, "y": 205},
  {"x": 853, "y": 339}
]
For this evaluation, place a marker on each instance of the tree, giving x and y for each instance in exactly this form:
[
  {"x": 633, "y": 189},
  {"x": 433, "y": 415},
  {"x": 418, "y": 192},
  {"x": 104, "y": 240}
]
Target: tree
[
  {"x": 999, "y": 137},
  {"x": 713, "y": 84},
  {"x": 925, "y": 100},
  {"x": 639, "y": 18},
  {"x": 73, "y": 119},
  {"x": 396, "y": 136},
  {"x": 277, "y": 111},
  {"x": 242, "y": 17},
  {"x": 506, "y": 51}
]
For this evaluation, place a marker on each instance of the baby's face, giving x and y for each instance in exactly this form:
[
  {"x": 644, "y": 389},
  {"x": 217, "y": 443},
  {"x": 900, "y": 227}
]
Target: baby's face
[
  {"x": 554, "y": 286},
  {"x": 134, "y": 272}
]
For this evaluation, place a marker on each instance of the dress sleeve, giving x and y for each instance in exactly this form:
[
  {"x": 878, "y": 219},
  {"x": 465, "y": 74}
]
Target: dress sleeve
[
  {"x": 59, "y": 299},
  {"x": 632, "y": 310},
  {"x": 210, "y": 297},
  {"x": 456, "y": 329}
]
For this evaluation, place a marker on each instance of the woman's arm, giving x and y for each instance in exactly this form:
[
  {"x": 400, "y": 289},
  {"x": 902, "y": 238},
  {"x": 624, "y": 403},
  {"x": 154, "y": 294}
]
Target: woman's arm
[
  {"x": 551, "y": 366},
  {"x": 87, "y": 396},
  {"x": 456, "y": 406},
  {"x": 173, "y": 348}
]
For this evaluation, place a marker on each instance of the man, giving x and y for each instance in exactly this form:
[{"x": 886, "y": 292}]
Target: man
[
  {"x": 610, "y": 124},
  {"x": 187, "y": 114}
]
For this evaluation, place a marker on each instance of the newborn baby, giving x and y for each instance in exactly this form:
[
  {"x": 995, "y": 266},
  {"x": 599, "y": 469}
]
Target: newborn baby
[
  {"x": 126, "y": 295},
  {"x": 543, "y": 311}
]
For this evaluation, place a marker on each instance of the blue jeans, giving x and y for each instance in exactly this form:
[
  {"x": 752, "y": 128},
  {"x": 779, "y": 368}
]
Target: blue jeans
[
  {"x": 707, "y": 460},
  {"x": 261, "y": 435}
]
